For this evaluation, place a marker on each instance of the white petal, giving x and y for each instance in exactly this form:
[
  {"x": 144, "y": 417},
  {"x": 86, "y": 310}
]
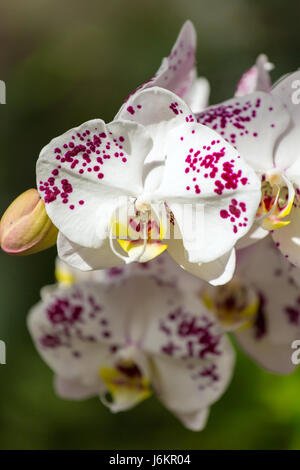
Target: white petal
[
  {"x": 193, "y": 359},
  {"x": 194, "y": 421},
  {"x": 82, "y": 189},
  {"x": 86, "y": 259},
  {"x": 175, "y": 72},
  {"x": 216, "y": 272},
  {"x": 81, "y": 329},
  {"x": 197, "y": 96},
  {"x": 273, "y": 357},
  {"x": 188, "y": 386},
  {"x": 160, "y": 111},
  {"x": 76, "y": 330},
  {"x": 288, "y": 238},
  {"x": 292, "y": 174},
  {"x": 277, "y": 324},
  {"x": 256, "y": 79},
  {"x": 153, "y": 173},
  {"x": 207, "y": 185},
  {"x": 288, "y": 91},
  {"x": 176, "y": 68},
  {"x": 252, "y": 124},
  {"x": 74, "y": 389}
]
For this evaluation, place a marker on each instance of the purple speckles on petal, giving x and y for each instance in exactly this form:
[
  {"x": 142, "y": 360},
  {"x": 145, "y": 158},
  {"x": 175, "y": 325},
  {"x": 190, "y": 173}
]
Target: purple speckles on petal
[
  {"x": 189, "y": 336},
  {"x": 72, "y": 316},
  {"x": 84, "y": 149},
  {"x": 131, "y": 110},
  {"x": 225, "y": 117},
  {"x": 260, "y": 326}
]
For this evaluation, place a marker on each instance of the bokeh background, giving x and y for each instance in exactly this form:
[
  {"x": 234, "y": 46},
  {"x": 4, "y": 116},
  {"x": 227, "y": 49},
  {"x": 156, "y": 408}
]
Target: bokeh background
[{"x": 67, "y": 61}]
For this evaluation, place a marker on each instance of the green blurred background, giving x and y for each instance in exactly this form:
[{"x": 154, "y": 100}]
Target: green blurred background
[{"x": 67, "y": 61}]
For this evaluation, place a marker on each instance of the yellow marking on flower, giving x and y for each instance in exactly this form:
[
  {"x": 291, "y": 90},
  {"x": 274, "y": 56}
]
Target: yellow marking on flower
[
  {"x": 208, "y": 301},
  {"x": 278, "y": 196},
  {"x": 64, "y": 276},
  {"x": 271, "y": 223},
  {"x": 131, "y": 237},
  {"x": 233, "y": 304},
  {"x": 153, "y": 249},
  {"x": 125, "y": 387}
]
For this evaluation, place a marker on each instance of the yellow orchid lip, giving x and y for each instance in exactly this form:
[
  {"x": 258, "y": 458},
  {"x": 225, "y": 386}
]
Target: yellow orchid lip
[
  {"x": 141, "y": 238},
  {"x": 277, "y": 201},
  {"x": 152, "y": 249},
  {"x": 126, "y": 383},
  {"x": 234, "y": 305},
  {"x": 64, "y": 276}
]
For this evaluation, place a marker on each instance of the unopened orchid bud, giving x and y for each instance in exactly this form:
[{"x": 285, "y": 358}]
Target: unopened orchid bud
[{"x": 25, "y": 227}]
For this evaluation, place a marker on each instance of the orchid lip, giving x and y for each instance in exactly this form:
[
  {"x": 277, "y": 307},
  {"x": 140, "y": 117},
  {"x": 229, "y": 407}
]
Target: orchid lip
[
  {"x": 277, "y": 201},
  {"x": 234, "y": 304}
]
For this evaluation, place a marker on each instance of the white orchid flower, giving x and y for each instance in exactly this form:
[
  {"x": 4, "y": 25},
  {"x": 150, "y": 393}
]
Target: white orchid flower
[
  {"x": 264, "y": 127},
  {"x": 178, "y": 73},
  {"x": 92, "y": 173},
  {"x": 261, "y": 305},
  {"x": 130, "y": 339}
]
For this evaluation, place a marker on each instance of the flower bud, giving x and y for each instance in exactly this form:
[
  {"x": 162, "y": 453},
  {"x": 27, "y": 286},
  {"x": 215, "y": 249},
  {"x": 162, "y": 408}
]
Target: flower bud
[{"x": 25, "y": 227}]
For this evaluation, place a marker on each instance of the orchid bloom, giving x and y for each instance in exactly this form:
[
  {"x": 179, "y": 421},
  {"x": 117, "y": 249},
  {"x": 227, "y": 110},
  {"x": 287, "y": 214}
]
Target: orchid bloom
[
  {"x": 130, "y": 339},
  {"x": 264, "y": 127},
  {"x": 93, "y": 174},
  {"x": 261, "y": 305},
  {"x": 178, "y": 73}
]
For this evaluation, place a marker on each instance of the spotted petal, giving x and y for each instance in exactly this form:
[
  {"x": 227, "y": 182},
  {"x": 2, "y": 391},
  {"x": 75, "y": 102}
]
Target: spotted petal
[
  {"x": 89, "y": 333},
  {"x": 82, "y": 174},
  {"x": 73, "y": 331},
  {"x": 193, "y": 360},
  {"x": 207, "y": 185},
  {"x": 257, "y": 78},
  {"x": 176, "y": 70},
  {"x": 252, "y": 124},
  {"x": 277, "y": 322}
]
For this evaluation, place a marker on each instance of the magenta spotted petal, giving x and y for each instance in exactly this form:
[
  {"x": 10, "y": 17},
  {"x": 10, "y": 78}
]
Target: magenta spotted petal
[
  {"x": 252, "y": 124},
  {"x": 277, "y": 322},
  {"x": 139, "y": 332},
  {"x": 206, "y": 180},
  {"x": 82, "y": 175}
]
